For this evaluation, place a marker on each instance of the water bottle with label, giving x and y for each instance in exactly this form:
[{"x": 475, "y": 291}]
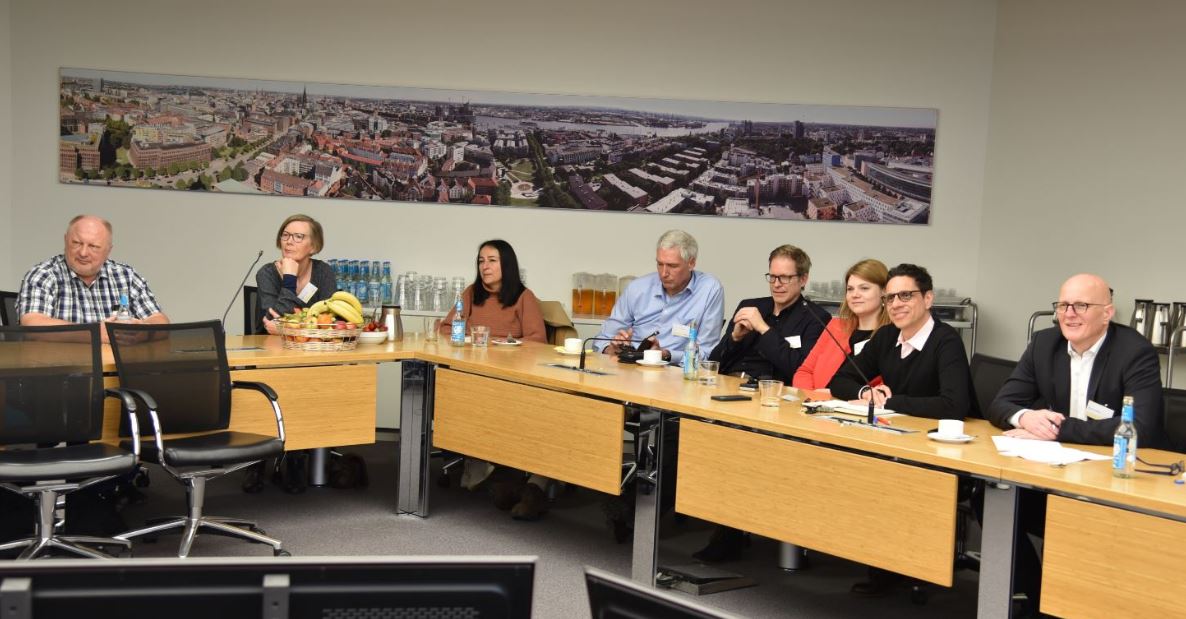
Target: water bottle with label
[
  {"x": 362, "y": 283},
  {"x": 691, "y": 362},
  {"x": 124, "y": 312},
  {"x": 375, "y": 285},
  {"x": 457, "y": 331},
  {"x": 1124, "y": 442},
  {"x": 385, "y": 284}
]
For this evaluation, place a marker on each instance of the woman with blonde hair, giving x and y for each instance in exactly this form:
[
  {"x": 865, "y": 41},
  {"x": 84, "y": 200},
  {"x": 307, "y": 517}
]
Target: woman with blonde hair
[{"x": 861, "y": 314}]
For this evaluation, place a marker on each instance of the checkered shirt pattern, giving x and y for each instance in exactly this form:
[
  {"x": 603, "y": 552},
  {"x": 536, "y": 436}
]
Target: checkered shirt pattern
[{"x": 52, "y": 289}]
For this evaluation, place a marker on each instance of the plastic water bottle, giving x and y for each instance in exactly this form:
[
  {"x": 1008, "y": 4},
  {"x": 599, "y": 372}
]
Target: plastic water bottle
[
  {"x": 362, "y": 281},
  {"x": 124, "y": 313},
  {"x": 375, "y": 286},
  {"x": 691, "y": 362},
  {"x": 1124, "y": 443},
  {"x": 457, "y": 331}
]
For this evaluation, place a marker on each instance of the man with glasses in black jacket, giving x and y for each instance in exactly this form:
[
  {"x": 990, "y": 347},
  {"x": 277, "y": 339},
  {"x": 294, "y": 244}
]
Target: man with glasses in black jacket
[{"x": 1069, "y": 386}]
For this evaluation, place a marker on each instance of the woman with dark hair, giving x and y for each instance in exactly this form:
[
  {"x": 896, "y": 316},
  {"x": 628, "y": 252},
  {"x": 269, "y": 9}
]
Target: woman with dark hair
[
  {"x": 498, "y": 299},
  {"x": 296, "y": 280}
]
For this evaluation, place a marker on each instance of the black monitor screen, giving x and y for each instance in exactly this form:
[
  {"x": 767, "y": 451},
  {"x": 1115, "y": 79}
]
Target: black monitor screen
[
  {"x": 614, "y": 597},
  {"x": 297, "y": 588}
]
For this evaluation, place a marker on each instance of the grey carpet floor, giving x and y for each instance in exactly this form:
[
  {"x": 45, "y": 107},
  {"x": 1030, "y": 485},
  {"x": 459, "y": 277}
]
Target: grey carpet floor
[{"x": 324, "y": 521}]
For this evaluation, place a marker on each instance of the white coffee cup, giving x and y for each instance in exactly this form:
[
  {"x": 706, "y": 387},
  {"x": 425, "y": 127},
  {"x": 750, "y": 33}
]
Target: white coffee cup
[
  {"x": 572, "y": 344},
  {"x": 951, "y": 427},
  {"x": 652, "y": 355}
]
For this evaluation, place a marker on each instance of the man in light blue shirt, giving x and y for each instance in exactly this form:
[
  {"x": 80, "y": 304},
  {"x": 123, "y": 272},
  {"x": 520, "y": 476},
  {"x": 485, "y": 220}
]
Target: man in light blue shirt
[{"x": 668, "y": 301}]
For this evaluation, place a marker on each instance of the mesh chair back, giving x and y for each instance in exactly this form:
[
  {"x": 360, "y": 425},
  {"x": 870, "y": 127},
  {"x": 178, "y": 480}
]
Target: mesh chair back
[
  {"x": 51, "y": 384},
  {"x": 252, "y": 316},
  {"x": 988, "y": 376},
  {"x": 8, "y": 308},
  {"x": 182, "y": 366},
  {"x": 1175, "y": 418}
]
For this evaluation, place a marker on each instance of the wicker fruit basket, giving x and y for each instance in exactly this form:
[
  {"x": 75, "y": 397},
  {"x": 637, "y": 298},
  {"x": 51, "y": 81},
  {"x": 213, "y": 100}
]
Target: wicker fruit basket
[{"x": 318, "y": 340}]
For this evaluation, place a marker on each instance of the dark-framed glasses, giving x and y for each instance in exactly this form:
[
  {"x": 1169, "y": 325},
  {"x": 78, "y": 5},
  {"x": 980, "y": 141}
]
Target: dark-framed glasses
[
  {"x": 782, "y": 279},
  {"x": 1061, "y": 307},
  {"x": 1173, "y": 468},
  {"x": 295, "y": 236},
  {"x": 904, "y": 296}
]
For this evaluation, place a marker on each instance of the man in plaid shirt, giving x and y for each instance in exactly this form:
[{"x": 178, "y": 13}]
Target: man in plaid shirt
[{"x": 82, "y": 285}]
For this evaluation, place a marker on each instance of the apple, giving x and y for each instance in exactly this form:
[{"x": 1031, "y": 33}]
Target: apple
[{"x": 340, "y": 325}]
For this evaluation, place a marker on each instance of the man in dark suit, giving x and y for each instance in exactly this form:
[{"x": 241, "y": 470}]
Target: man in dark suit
[
  {"x": 1069, "y": 386},
  {"x": 1071, "y": 380}
]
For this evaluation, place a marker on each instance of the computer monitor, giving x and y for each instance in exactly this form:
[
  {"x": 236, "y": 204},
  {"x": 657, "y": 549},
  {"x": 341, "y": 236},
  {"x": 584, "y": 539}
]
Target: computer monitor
[
  {"x": 614, "y": 597},
  {"x": 272, "y": 588}
]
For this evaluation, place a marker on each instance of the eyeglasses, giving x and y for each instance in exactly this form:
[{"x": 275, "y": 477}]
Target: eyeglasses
[
  {"x": 905, "y": 296},
  {"x": 1060, "y": 307},
  {"x": 1174, "y": 468},
  {"x": 295, "y": 236},
  {"x": 782, "y": 279}
]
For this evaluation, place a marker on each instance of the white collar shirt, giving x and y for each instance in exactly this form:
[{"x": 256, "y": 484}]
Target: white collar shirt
[{"x": 918, "y": 340}]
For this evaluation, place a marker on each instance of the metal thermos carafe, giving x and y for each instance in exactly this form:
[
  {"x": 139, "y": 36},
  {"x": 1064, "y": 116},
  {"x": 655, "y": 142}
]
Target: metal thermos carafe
[
  {"x": 1159, "y": 327},
  {"x": 395, "y": 326},
  {"x": 1178, "y": 318},
  {"x": 1140, "y": 316}
]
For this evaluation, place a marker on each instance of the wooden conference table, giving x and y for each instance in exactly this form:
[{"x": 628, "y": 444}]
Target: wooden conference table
[{"x": 873, "y": 496}]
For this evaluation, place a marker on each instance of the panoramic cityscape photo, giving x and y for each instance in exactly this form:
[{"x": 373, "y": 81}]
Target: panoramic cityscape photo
[{"x": 757, "y": 160}]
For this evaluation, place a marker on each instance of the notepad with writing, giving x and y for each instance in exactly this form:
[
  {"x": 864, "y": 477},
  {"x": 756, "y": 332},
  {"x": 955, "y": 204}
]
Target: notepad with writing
[{"x": 847, "y": 408}]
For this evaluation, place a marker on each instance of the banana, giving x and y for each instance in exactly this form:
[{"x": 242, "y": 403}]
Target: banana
[
  {"x": 345, "y": 310},
  {"x": 318, "y": 308},
  {"x": 342, "y": 295}
]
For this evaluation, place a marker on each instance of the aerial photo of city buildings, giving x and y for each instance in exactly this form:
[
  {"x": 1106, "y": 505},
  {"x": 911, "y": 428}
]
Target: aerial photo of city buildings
[{"x": 770, "y": 161}]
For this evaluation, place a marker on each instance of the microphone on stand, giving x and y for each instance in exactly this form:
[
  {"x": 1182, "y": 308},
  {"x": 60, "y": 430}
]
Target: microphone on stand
[
  {"x": 240, "y": 288},
  {"x": 610, "y": 339},
  {"x": 871, "y": 418}
]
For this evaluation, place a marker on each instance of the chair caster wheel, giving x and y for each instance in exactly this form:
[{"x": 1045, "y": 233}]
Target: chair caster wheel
[
  {"x": 281, "y": 553},
  {"x": 919, "y": 596}
]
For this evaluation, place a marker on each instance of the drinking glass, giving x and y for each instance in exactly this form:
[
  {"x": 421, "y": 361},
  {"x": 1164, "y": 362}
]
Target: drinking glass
[
  {"x": 480, "y": 336},
  {"x": 770, "y": 392},
  {"x": 708, "y": 373},
  {"x": 431, "y": 329}
]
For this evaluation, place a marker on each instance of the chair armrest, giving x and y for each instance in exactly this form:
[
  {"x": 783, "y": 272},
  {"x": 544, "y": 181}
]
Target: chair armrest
[
  {"x": 150, "y": 404},
  {"x": 128, "y": 404},
  {"x": 273, "y": 399},
  {"x": 257, "y": 386}
]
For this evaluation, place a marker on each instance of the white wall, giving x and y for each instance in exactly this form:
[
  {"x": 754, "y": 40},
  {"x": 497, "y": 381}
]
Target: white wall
[
  {"x": 194, "y": 248},
  {"x": 9, "y": 278},
  {"x": 1085, "y": 159}
]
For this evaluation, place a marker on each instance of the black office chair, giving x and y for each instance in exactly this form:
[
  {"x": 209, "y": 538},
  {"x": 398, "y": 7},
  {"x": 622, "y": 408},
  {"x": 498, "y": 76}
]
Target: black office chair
[
  {"x": 8, "y": 308},
  {"x": 180, "y": 374},
  {"x": 51, "y": 393},
  {"x": 1175, "y": 418},
  {"x": 988, "y": 376},
  {"x": 251, "y": 323}
]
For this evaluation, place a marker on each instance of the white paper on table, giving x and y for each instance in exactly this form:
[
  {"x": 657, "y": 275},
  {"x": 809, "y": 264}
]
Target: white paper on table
[
  {"x": 847, "y": 408},
  {"x": 1048, "y": 452}
]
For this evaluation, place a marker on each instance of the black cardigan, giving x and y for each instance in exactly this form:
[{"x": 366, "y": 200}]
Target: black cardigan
[
  {"x": 933, "y": 382},
  {"x": 769, "y": 354}
]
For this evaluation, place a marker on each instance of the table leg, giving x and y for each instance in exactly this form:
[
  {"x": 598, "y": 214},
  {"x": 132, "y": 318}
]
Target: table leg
[
  {"x": 415, "y": 437},
  {"x": 996, "y": 550},
  {"x": 652, "y": 459}
]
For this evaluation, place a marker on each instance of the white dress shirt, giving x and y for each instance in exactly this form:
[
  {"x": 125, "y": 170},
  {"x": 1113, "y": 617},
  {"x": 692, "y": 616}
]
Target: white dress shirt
[
  {"x": 1081, "y": 365},
  {"x": 918, "y": 340}
]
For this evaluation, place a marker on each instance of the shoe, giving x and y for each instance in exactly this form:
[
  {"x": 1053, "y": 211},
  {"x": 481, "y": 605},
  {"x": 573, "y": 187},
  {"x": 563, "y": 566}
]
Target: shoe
[
  {"x": 726, "y": 544},
  {"x": 619, "y": 517},
  {"x": 506, "y": 494},
  {"x": 532, "y": 504},
  {"x": 253, "y": 481},
  {"x": 880, "y": 583}
]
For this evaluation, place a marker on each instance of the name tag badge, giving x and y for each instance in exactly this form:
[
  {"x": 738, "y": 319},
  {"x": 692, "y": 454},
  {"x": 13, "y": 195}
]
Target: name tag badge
[
  {"x": 307, "y": 293},
  {"x": 856, "y": 350},
  {"x": 680, "y": 330},
  {"x": 794, "y": 341},
  {"x": 1098, "y": 411}
]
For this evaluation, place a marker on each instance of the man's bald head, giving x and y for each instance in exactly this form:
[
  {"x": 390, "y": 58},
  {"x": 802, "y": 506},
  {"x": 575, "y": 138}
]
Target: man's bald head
[{"x": 88, "y": 244}]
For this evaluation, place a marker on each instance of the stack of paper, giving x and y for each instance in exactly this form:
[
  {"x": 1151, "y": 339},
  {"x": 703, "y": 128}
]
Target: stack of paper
[
  {"x": 848, "y": 408},
  {"x": 1049, "y": 452}
]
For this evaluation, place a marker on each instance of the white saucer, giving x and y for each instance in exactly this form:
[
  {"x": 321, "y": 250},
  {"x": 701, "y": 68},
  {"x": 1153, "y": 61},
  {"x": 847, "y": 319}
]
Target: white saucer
[
  {"x": 560, "y": 349},
  {"x": 963, "y": 438},
  {"x": 652, "y": 364},
  {"x": 501, "y": 342}
]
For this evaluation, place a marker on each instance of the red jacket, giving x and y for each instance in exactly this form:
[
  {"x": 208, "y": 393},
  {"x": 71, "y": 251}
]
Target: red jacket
[{"x": 825, "y": 358}]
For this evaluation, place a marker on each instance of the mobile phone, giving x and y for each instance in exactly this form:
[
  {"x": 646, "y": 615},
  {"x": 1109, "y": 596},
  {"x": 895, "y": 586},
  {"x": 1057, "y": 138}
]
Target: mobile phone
[{"x": 736, "y": 397}]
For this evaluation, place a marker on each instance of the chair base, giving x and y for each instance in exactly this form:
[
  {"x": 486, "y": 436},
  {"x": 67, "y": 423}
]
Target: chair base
[
  {"x": 189, "y": 528},
  {"x": 47, "y": 499}
]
